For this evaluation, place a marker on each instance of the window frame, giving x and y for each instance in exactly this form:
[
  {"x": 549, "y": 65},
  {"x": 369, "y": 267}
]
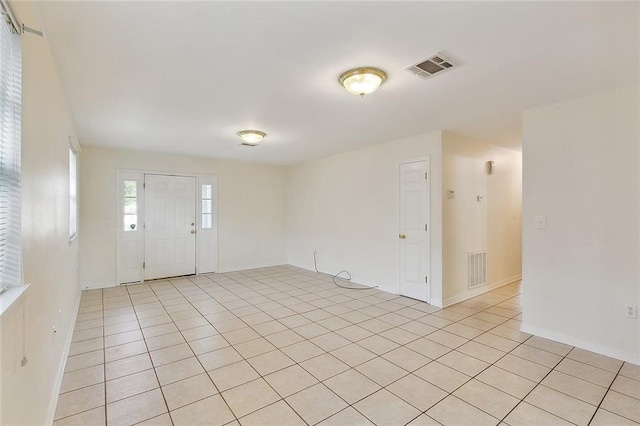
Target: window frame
[
  {"x": 11, "y": 279},
  {"x": 74, "y": 199}
]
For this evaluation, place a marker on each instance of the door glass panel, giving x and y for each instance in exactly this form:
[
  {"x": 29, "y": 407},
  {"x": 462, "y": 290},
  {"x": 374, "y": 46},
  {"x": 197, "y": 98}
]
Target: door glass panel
[
  {"x": 206, "y": 192},
  {"x": 130, "y": 222},
  {"x": 207, "y": 207},
  {"x": 130, "y": 188},
  {"x": 130, "y": 205},
  {"x": 206, "y": 221}
]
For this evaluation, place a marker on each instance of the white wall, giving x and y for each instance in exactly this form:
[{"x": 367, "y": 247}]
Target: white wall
[
  {"x": 251, "y": 211},
  {"x": 492, "y": 225},
  {"x": 50, "y": 261},
  {"x": 581, "y": 172},
  {"x": 345, "y": 207}
]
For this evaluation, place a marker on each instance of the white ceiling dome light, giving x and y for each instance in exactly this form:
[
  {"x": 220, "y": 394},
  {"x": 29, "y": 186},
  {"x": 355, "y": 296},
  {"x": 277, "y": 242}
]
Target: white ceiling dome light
[
  {"x": 251, "y": 137},
  {"x": 362, "y": 81}
]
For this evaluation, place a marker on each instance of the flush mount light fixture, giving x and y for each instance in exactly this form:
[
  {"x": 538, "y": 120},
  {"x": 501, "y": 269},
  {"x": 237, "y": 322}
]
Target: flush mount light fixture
[
  {"x": 362, "y": 81},
  {"x": 251, "y": 137}
]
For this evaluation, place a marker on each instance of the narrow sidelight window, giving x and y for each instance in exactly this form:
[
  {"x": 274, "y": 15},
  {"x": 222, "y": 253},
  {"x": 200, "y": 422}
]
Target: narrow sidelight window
[
  {"x": 207, "y": 221},
  {"x": 130, "y": 205}
]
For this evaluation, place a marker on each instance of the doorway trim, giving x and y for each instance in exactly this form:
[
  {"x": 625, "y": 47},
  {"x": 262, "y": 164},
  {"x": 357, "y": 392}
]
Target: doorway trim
[
  {"x": 427, "y": 160},
  {"x": 122, "y": 274}
]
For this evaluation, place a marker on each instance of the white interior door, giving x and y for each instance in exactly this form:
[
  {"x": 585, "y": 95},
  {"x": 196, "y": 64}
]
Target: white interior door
[
  {"x": 414, "y": 230},
  {"x": 170, "y": 230}
]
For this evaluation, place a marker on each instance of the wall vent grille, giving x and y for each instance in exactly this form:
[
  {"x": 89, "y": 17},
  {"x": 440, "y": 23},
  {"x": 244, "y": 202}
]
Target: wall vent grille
[
  {"x": 477, "y": 268},
  {"x": 427, "y": 68}
]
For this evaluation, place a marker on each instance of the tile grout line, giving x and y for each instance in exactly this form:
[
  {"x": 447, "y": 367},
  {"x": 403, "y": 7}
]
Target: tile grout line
[
  {"x": 298, "y": 364},
  {"x": 257, "y": 372},
  {"x": 280, "y": 290},
  {"x": 380, "y": 355},
  {"x": 605, "y": 395},
  {"x": 481, "y": 371},
  {"x": 91, "y": 366},
  {"x": 155, "y": 373},
  {"x": 454, "y": 349},
  {"x": 424, "y": 412},
  {"x": 540, "y": 384},
  {"x": 393, "y": 326},
  {"x": 104, "y": 359},
  {"x": 196, "y": 357},
  {"x": 494, "y": 364},
  {"x": 306, "y": 339}
]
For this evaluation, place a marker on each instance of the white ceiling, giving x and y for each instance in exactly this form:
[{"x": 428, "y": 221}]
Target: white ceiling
[{"x": 184, "y": 77}]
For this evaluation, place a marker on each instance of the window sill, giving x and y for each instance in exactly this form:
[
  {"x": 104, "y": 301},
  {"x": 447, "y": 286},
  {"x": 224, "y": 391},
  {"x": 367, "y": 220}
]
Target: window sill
[{"x": 10, "y": 296}]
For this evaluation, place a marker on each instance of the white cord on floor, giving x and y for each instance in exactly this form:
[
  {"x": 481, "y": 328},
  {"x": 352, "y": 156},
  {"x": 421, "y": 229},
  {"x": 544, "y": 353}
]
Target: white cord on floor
[{"x": 333, "y": 277}]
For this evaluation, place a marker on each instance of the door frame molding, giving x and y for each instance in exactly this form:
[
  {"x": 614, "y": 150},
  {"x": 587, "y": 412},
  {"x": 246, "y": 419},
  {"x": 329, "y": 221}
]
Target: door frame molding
[
  {"x": 199, "y": 177},
  {"x": 427, "y": 160}
]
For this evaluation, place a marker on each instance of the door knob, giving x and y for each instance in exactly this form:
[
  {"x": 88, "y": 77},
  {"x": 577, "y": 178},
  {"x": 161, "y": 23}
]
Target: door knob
[
  {"x": 193, "y": 231},
  {"x": 402, "y": 236}
]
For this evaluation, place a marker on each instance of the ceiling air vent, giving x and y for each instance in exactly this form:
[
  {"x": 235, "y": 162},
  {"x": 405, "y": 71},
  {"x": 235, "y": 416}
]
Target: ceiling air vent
[{"x": 427, "y": 68}]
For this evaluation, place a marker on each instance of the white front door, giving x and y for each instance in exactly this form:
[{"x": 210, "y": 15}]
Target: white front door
[
  {"x": 170, "y": 226},
  {"x": 413, "y": 234}
]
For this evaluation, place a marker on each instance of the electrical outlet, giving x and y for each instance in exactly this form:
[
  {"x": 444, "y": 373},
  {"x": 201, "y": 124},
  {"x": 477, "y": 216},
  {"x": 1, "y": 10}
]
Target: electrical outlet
[{"x": 631, "y": 311}]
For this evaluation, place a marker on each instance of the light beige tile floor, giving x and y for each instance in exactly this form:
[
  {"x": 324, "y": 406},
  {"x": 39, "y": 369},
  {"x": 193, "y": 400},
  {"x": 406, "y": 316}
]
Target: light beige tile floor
[{"x": 284, "y": 346}]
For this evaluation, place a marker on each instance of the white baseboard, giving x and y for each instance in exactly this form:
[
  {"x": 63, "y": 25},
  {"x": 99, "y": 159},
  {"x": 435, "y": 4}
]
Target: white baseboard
[
  {"x": 246, "y": 267},
  {"x": 480, "y": 290},
  {"x": 98, "y": 285},
  {"x": 386, "y": 289},
  {"x": 95, "y": 286},
  {"x": 57, "y": 384},
  {"x": 581, "y": 343},
  {"x": 436, "y": 302}
]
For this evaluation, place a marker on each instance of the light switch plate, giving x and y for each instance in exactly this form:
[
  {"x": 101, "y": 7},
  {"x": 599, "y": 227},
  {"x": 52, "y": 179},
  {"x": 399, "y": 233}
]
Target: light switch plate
[{"x": 540, "y": 222}]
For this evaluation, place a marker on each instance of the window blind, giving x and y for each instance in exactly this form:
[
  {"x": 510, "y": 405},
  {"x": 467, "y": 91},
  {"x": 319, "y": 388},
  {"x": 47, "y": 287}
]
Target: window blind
[{"x": 10, "y": 136}]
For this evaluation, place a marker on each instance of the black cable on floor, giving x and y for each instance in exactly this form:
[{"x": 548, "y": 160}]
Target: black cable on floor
[{"x": 333, "y": 277}]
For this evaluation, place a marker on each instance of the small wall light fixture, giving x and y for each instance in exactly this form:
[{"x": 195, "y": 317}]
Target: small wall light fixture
[{"x": 491, "y": 167}]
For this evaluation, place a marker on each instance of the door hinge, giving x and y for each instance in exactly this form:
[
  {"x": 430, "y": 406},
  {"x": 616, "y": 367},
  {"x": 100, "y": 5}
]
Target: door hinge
[
  {"x": 144, "y": 264},
  {"x": 426, "y": 227},
  {"x": 144, "y": 185},
  {"x": 426, "y": 279},
  {"x": 426, "y": 174}
]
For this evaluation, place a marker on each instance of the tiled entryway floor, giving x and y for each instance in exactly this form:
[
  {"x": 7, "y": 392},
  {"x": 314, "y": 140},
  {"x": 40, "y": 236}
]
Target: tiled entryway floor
[{"x": 284, "y": 346}]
